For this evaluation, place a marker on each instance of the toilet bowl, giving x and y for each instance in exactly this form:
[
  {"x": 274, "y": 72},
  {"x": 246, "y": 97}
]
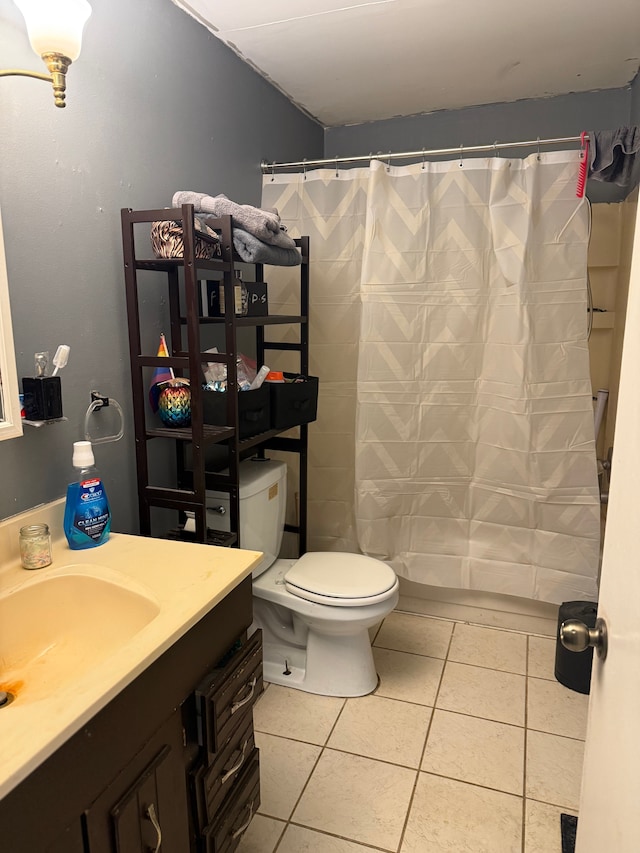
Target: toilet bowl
[{"x": 315, "y": 612}]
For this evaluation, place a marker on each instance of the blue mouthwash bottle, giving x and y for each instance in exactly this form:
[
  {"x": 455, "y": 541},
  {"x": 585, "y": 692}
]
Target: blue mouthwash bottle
[{"x": 87, "y": 517}]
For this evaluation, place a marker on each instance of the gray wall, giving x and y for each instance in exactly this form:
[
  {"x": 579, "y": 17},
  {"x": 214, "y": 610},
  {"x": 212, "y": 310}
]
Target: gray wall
[
  {"x": 155, "y": 104},
  {"x": 635, "y": 101},
  {"x": 565, "y": 115}
]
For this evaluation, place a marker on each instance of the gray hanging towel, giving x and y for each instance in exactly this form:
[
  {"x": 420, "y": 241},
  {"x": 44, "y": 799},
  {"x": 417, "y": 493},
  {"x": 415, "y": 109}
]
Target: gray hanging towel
[{"x": 613, "y": 155}]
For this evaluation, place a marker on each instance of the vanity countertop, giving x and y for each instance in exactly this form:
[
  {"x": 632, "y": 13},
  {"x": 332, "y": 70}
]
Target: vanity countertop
[{"x": 180, "y": 582}]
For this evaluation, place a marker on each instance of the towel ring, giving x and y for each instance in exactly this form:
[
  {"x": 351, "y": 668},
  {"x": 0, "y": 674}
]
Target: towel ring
[{"x": 99, "y": 401}]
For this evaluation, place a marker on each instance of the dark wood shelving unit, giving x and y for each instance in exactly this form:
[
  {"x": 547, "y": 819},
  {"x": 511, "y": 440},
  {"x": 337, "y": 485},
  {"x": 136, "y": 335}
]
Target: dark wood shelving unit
[{"x": 181, "y": 290}]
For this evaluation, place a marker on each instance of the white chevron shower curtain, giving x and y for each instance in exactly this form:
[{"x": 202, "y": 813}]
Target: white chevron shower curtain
[{"x": 448, "y": 328}]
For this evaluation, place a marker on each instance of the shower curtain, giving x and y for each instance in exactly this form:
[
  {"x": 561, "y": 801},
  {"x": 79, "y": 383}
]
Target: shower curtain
[{"x": 448, "y": 328}]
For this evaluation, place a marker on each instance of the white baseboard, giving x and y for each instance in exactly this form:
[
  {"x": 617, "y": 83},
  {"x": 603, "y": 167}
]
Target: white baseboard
[{"x": 479, "y": 608}]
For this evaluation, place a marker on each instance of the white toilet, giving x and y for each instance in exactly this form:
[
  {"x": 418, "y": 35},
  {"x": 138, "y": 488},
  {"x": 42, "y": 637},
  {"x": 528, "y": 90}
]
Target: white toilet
[{"x": 315, "y": 612}]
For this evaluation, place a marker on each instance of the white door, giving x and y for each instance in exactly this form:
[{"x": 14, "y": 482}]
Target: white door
[{"x": 609, "y": 819}]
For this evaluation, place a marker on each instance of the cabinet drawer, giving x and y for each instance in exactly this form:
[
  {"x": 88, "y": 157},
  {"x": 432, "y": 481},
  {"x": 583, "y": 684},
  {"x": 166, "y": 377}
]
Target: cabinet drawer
[
  {"x": 211, "y": 785},
  {"x": 227, "y": 693},
  {"x": 223, "y": 835}
]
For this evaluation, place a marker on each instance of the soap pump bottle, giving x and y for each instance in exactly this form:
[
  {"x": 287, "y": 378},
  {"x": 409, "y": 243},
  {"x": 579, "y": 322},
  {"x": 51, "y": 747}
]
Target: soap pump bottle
[{"x": 87, "y": 517}]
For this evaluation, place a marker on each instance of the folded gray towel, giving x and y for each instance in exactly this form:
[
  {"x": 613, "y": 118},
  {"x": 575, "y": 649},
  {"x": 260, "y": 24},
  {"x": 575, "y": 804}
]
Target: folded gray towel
[
  {"x": 263, "y": 224},
  {"x": 613, "y": 155},
  {"x": 254, "y": 251}
]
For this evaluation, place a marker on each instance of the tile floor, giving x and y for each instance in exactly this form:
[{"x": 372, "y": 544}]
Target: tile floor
[{"x": 468, "y": 745}]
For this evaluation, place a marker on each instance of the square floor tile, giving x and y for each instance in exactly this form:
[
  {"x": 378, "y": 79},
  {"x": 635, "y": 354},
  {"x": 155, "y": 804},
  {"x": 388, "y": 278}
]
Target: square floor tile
[
  {"x": 503, "y": 650},
  {"x": 478, "y": 751},
  {"x": 285, "y": 766},
  {"x": 298, "y": 839},
  {"x": 412, "y": 678},
  {"x": 482, "y": 692},
  {"x": 447, "y": 815},
  {"x": 542, "y": 657},
  {"x": 296, "y": 714},
  {"x": 382, "y": 728},
  {"x": 357, "y": 798},
  {"x": 542, "y": 827},
  {"x": 554, "y": 769},
  {"x": 552, "y": 707},
  {"x": 262, "y": 836},
  {"x": 420, "y": 635}
]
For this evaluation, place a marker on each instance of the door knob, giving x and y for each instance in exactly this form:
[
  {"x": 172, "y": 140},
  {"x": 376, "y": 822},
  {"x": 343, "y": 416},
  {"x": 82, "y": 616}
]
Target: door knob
[{"x": 577, "y": 637}]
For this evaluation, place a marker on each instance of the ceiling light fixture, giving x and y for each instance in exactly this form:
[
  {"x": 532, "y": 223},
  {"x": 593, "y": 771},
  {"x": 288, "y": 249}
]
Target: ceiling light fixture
[{"x": 55, "y": 32}]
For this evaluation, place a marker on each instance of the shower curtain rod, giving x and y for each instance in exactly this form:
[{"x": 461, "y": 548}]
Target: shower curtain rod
[{"x": 461, "y": 150}]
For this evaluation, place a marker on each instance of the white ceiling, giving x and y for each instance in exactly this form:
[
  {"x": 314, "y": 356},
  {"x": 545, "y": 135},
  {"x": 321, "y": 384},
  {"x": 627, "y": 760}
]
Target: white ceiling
[{"x": 349, "y": 61}]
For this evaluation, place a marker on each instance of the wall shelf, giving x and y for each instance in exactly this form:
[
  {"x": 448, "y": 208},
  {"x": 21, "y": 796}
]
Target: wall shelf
[{"x": 43, "y": 423}]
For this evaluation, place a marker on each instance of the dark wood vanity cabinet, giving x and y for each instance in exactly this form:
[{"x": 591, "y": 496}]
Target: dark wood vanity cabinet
[
  {"x": 146, "y": 805},
  {"x": 171, "y": 759}
]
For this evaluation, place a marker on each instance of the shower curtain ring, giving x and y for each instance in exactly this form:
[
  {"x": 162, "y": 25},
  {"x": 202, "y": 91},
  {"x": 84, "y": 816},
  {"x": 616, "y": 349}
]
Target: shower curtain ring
[
  {"x": 389, "y": 162},
  {"x": 495, "y": 148},
  {"x": 423, "y": 156},
  {"x": 538, "y": 154},
  {"x": 337, "y": 167},
  {"x": 273, "y": 171},
  {"x": 304, "y": 169},
  {"x": 461, "y": 163}
]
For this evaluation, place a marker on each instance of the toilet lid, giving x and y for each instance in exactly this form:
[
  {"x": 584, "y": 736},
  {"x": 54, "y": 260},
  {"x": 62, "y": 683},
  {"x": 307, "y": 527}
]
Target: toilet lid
[{"x": 340, "y": 579}]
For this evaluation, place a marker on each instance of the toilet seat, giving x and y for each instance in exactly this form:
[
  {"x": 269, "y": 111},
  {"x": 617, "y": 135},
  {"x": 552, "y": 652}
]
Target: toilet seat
[{"x": 340, "y": 580}]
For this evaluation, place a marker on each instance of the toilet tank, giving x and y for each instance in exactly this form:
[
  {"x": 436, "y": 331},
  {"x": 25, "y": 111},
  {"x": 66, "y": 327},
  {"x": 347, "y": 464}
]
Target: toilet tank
[{"x": 263, "y": 500}]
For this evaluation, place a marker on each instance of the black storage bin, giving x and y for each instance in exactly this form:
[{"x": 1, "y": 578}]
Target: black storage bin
[
  {"x": 293, "y": 403},
  {"x": 253, "y": 410},
  {"x": 573, "y": 669}
]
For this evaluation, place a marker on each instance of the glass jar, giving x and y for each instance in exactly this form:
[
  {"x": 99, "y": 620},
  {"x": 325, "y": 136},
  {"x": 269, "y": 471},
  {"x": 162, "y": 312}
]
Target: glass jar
[{"x": 35, "y": 546}]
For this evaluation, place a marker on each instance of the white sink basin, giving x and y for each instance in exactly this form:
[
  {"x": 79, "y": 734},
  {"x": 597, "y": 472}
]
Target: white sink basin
[{"x": 53, "y": 630}]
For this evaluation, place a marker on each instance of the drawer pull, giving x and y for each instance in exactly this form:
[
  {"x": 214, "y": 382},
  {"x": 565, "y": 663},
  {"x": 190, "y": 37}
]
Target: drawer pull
[
  {"x": 244, "y": 825},
  {"x": 151, "y": 815},
  {"x": 237, "y": 705},
  {"x": 226, "y": 776}
]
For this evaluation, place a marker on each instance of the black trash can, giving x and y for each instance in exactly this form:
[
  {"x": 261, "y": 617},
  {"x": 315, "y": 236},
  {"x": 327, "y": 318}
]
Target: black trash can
[{"x": 573, "y": 669}]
